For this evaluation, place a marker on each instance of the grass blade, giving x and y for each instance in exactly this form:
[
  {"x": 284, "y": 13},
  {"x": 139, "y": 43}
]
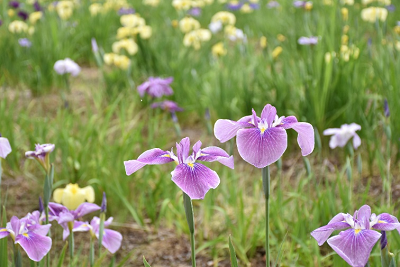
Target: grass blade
[
  {"x": 146, "y": 264},
  {"x": 232, "y": 252}
]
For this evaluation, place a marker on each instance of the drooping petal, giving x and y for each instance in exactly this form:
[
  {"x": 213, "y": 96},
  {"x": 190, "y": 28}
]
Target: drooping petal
[
  {"x": 213, "y": 153},
  {"x": 65, "y": 216},
  {"x": 85, "y": 208},
  {"x": 268, "y": 114},
  {"x": 195, "y": 181},
  {"x": 40, "y": 229},
  {"x": 386, "y": 222},
  {"x": 331, "y": 131},
  {"x": 225, "y": 130},
  {"x": 111, "y": 240},
  {"x": 261, "y": 149},
  {"x": 305, "y": 137},
  {"x": 81, "y": 227},
  {"x": 356, "y": 141},
  {"x": 15, "y": 224},
  {"x": 4, "y": 233},
  {"x": 5, "y": 147},
  {"x": 150, "y": 157},
  {"x": 182, "y": 149},
  {"x": 354, "y": 246},
  {"x": 35, "y": 245},
  {"x": 322, "y": 234}
]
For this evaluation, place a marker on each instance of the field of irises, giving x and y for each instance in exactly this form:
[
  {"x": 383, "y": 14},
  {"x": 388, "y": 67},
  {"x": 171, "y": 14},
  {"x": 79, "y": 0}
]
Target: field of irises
[{"x": 279, "y": 118}]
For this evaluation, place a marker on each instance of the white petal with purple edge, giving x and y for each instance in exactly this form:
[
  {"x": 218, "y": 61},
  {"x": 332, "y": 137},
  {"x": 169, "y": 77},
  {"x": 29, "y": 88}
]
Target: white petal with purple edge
[
  {"x": 353, "y": 247},
  {"x": 260, "y": 149},
  {"x": 195, "y": 181},
  {"x": 36, "y": 246}
]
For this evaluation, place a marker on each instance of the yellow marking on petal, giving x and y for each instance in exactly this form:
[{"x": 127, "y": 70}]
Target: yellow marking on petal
[
  {"x": 191, "y": 165},
  {"x": 3, "y": 230},
  {"x": 381, "y": 221},
  {"x": 263, "y": 130},
  {"x": 26, "y": 235},
  {"x": 357, "y": 231},
  {"x": 166, "y": 156}
]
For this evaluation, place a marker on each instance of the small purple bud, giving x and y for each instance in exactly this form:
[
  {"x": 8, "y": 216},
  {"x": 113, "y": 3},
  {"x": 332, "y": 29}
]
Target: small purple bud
[
  {"x": 383, "y": 240},
  {"x": 95, "y": 47},
  {"x": 1, "y": 22},
  {"x": 24, "y": 42},
  {"x": 386, "y": 108},
  {"x": 254, "y": 6},
  {"x": 23, "y": 15},
  {"x": 125, "y": 11},
  {"x": 207, "y": 114},
  {"x": 391, "y": 8},
  {"x": 195, "y": 12},
  {"x": 104, "y": 203},
  {"x": 14, "y": 4},
  {"x": 41, "y": 206},
  {"x": 174, "y": 117},
  {"x": 234, "y": 6},
  {"x": 37, "y": 6}
]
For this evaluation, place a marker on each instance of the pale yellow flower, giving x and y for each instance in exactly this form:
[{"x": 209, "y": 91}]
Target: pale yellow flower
[
  {"x": 188, "y": 24},
  {"x": 276, "y": 52},
  {"x": 35, "y": 16},
  {"x": 347, "y": 2},
  {"x": 174, "y": 23},
  {"x": 218, "y": 50},
  {"x": 308, "y": 6},
  {"x": 95, "y": 9},
  {"x": 18, "y": 26},
  {"x": 347, "y": 52},
  {"x": 224, "y": 17},
  {"x": 128, "y": 44},
  {"x": 72, "y": 195},
  {"x": 132, "y": 20},
  {"x": 346, "y": 29},
  {"x": 151, "y": 2},
  {"x": 124, "y": 32},
  {"x": 194, "y": 38},
  {"x": 122, "y": 62},
  {"x": 397, "y": 45},
  {"x": 246, "y": 8},
  {"x": 145, "y": 32},
  {"x": 281, "y": 38},
  {"x": 31, "y": 30},
  {"x": 263, "y": 42},
  {"x": 345, "y": 39},
  {"x": 397, "y": 29},
  {"x": 109, "y": 58},
  {"x": 11, "y": 13},
  {"x": 182, "y": 4},
  {"x": 371, "y": 14},
  {"x": 345, "y": 13},
  {"x": 65, "y": 9},
  {"x": 329, "y": 56}
]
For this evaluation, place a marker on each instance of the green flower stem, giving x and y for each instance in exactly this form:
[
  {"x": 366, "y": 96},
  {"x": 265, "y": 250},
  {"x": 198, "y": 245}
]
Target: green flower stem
[
  {"x": 187, "y": 203},
  {"x": 91, "y": 252},
  {"x": 17, "y": 256},
  {"x": 266, "y": 183},
  {"x": 101, "y": 230},
  {"x": 71, "y": 242}
]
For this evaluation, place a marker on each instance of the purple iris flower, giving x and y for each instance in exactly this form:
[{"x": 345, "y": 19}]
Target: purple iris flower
[
  {"x": 273, "y": 4},
  {"x": 386, "y": 108},
  {"x": 23, "y": 15},
  {"x": 41, "y": 154},
  {"x": 126, "y": 11},
  {"x": 312, "y": 40},
  {"x": 24, "y": 42},
  {"x": 340, "y": 136},
  {"x": 66, "y": 217},
  {"x": 14, "y": 4},
  {"x": 299, "y": 4},
  {"x": 234, "y": 5},
  {"x": 30, "y": 235},
  {"x": 254, "y": 6},
  {"x": 391, "y": 8},
  {"x": 111, "y": 239},
  {"x": 95, "y": 47},
  {"x": 5, "y": 147},
  {"x": 262, "y": 141},
  {"x": 354, "y": 245},
  {"x": 195, "y": 12},
  {"x": 167, "y": 105},
  {"x": 37, "y": 6},
  {"x": 193, "y": 178},
  {"x": 156, "y": 87}
]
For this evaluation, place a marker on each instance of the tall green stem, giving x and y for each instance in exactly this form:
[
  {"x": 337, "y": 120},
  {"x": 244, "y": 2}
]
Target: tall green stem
[
  {"x": 71, "y": 242},
  {"x": 17, "y": 256},
  {"x": 266, "y": 183},
  {"x": 91, "y": 252},
  {"x": 187, "y": 203}
]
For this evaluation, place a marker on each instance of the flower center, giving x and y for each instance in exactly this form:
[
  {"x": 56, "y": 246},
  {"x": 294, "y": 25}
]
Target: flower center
[
  {"x": 357, "y": 231},
  {"x": 191, "y": 165}
]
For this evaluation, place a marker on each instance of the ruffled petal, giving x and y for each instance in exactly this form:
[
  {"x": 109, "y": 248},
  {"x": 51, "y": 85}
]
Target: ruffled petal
[
  {"x": 150, "y": 157},
  {"x": 268, "y": 114},
  {"x": 111, "y": 240},
  {"x": 195, "y": 181},
  {"x": 225, "y": 130},
  {"x": 213, "y": 153},
  {"x": 354, "y": 246},
  {"x": 305, "y": 131},
  {"x": 85, "y": 208},
  {"x": 387, "y": 222},
  {"x": 35, "y": 245},
  {"x": 182, "y": 149},
  {"x": 261, "y": 149}
]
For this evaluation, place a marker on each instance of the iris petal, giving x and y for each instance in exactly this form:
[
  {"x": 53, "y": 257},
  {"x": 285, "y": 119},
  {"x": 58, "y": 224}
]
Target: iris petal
[
  {"x": 195, "y": 181},
  {"x": 305, "y": 131},
  {"x": 354, "y": 247},
  {"x": 111, "y": 240},
  {"x": 260, "y": 149},
  {"x": 387, "y": 222},
  {"x": 150, "y": 157},
  {"x": 35, "y": 245},
  {"x": 268, "y": 114}
]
